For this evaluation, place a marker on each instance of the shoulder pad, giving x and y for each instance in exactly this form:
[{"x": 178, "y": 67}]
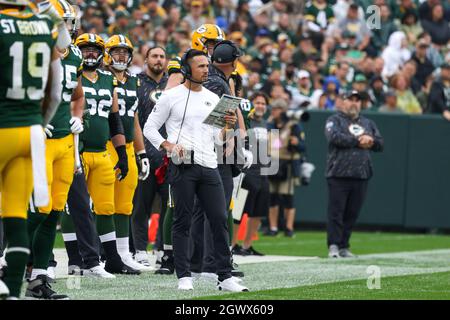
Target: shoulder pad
[{"x": 107, "y": 73}]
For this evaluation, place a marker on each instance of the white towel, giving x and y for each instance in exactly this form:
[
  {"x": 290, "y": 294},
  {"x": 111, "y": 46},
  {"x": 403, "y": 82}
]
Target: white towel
[{"x": 41, "y": 197}]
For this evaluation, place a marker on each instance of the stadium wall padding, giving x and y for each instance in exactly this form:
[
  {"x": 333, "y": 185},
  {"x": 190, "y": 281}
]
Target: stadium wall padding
[{"x": 411, "y": 183}]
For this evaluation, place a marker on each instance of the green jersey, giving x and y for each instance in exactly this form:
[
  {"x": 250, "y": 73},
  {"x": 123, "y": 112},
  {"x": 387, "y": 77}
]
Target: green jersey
[
  {"x": 128, "y": 103},
  {"x": 26, "y": 44},
  {"x": 322, "y": 15},
  {"x": 72, "y": 68},
  {"x": 99, "y": 99}
]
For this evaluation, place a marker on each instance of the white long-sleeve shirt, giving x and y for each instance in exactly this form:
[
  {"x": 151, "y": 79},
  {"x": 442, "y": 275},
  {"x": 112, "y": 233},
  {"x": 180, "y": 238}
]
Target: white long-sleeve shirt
[{"x": 194, "y": 134}]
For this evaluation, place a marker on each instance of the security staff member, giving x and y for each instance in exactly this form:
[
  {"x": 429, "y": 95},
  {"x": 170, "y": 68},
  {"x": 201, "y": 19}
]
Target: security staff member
[
  {"x": 193, "y": 166},
  {"x": 350, "y": 138},
  {"x": 153, "y": 81}
]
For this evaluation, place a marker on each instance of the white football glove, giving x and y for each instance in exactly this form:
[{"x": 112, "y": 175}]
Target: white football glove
[
  {"x": 248, "y": 155},
  {"x": 48, "y": 130},
  {"x": 76, "y": 126},
  {"x": 64, "y": 39},
  {"x": 144, "y": 164}
]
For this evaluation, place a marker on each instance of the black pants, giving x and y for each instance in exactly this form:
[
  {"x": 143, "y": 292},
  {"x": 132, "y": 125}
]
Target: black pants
[
  {"x": 345, "y": 199},
  {"x": 188, "y": 181},
  {"x": 83, "y": 220},
  {"x": 142, "y": 208},
  {"x": 201, "y": 240}
]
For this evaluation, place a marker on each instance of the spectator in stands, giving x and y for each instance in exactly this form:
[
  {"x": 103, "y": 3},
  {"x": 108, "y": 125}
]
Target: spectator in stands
[
  {"x": 356, "y": 26},
  {"x": 380, "y": 36},
  {"x": 390, "y": 105},
  {"x": 395, "y": 54},
  {"x": 439, "y": 98},
  {"x": 331, "y": 88},
  {"x": 437, "y": 27},
  {"x": 319, "y": 16},
  {"x": 409, "y": 70},
  {"x": 195, "y": 17},
  {"x": 424, "y": 65},
  {"x": 377, "y": 92},
  {"x": 406, "y": 99},
  {"x": 411, "y": 26}
]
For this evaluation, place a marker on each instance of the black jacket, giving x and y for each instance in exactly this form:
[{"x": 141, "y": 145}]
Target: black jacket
[
  {"x": 439, "y": 98},
  {"x": 345, "y": 159},
  {"x": 148, "y": 94},
  {"x": 217, "y": 82}
]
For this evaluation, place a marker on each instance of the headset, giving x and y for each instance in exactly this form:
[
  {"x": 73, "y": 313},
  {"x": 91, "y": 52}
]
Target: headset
[
  {"x": 185, "y": 69},
  {"x": 236, "y": 52}
]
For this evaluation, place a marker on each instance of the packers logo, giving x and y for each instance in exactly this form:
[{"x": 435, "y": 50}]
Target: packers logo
[
  {"x": 208, "y": 104},
  {"x": 201, "y": 29},
  {"x": 356, "y": 130},
  {"x": 155, "y": 94}
]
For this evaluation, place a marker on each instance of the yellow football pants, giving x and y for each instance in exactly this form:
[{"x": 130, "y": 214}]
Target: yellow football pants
[
  {"x": 124, "y": 190},
  {"x": 16, "y": 174},
  {"x": 60, "y": 162},
  {"x": 100, "y": 179}
]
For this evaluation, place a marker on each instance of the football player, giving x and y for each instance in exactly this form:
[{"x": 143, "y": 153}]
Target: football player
[
  {"x": 118, "y": 57},
  {"x": 99, "y": 88},
  {"x": 30, "y": 93},
  {"x": 60, "y": 161}
]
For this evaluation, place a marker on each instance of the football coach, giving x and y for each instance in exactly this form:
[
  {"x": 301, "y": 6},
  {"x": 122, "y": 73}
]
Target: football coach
[
  {"x": 350, "y": 137},
  {"x": 193, "y": 168}
]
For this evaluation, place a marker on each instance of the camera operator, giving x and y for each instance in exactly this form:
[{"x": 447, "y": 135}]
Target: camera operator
[
  {"x": 289, "y": 146},
  {"x": 193, "y": 165},
  {"x": 350, "y": 137}
]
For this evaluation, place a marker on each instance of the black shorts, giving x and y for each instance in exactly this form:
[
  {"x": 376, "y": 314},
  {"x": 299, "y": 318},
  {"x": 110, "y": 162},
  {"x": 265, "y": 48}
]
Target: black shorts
[{"x": 258, "y": 199}]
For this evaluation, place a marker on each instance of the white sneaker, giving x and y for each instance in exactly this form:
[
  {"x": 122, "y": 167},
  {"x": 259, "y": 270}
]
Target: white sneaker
[
  {"x": 141, "y": 257},
  {"x": 128, "y": 260},
  {"x": 231, "y": 285},
  {"x": 185, "y": 283},
  {"x": 333, "y": 251},
  {"x": 51, "y": 273},
  {"x": 196, "y": 275},
  {"x": 98, "y": 272},
  {"x": 4, "y": 291}
]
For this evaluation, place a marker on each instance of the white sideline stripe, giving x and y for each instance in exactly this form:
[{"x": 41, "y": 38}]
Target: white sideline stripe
[
  {"x": 108, "y": 237},
  {"x": 272, "y": 275},
  {"x": 69, "y": 236},
  {"x": 17, "y": 249}
]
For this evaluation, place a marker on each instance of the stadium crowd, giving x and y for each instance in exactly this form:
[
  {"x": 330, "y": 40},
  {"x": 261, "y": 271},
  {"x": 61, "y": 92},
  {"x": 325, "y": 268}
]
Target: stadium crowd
[{"x": 305, "y": 52}]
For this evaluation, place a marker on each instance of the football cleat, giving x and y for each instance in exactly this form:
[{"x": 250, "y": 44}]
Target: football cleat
[
  {"x": 141, "y": 257},
  {"x": 128, "y": 260},
  {"x": 231, "y": 285},
  {"x": 123, "y": 269},
  {"x": 98, "y": 272},
  {"x": 251, "y": 252},
  {"x": 40, "y": 289},
  {"x": 167, "y": 264}
]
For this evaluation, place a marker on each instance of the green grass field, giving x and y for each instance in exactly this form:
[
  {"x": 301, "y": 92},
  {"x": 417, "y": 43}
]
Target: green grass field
[{"x": 412, "y": 266}]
